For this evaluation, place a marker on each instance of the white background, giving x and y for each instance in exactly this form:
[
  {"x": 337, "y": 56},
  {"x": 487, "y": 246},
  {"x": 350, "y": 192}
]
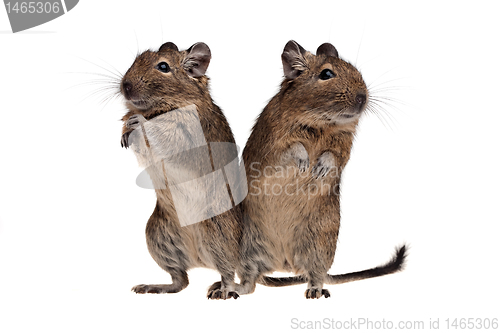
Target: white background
[{"x": 72, "y": 219}]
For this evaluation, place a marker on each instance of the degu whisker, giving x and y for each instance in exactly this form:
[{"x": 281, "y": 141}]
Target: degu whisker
[
  {"x": 110, "y": 77},
  {"x": 113, "y": 74}
]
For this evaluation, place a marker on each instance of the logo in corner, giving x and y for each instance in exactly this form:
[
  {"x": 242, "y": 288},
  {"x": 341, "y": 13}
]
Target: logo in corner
[{"x": 24, "y": 15}]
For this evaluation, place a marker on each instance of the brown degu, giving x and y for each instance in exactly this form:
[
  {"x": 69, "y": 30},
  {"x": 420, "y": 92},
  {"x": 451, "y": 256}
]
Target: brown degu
[
  {"x": 160, "y": 84},
  {"x": 294, "y": 159}
]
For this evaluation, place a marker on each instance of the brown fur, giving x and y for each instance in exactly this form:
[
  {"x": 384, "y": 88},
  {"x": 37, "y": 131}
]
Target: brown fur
[
  {"x": 297, "y": 229},
  {"x": 149, "y": 92}
]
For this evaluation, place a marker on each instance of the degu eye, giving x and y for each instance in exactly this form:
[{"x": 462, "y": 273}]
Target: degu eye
[
  {"x": 163, "y": 67},
  {"x": 326, "y": 74}
]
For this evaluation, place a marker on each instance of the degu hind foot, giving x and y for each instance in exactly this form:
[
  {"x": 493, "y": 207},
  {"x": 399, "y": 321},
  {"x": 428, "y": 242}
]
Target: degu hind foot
[
  {"x": 315, "y": 293},
  {"x": 156, "y": 289},
  {"x": 179, "y": 282},
  {"x": 217, "y": 292}
]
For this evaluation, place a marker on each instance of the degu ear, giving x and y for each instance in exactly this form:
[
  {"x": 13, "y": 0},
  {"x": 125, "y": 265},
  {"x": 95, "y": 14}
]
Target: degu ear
[
  {"x": 293, "y": 59},
  {"x": 328, "y": 50},
  {"x": 168, "y": 46},
  {"x": 196, "y": 61}
]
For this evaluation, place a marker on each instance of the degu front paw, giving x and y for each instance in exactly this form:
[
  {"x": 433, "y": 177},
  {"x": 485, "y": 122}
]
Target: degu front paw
[
  {"x": 298, "y": 154},
  {"x": 132, "y": 123},
  {"x": 325, "y": 165},
  {"x": 135, "y": 121}
]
